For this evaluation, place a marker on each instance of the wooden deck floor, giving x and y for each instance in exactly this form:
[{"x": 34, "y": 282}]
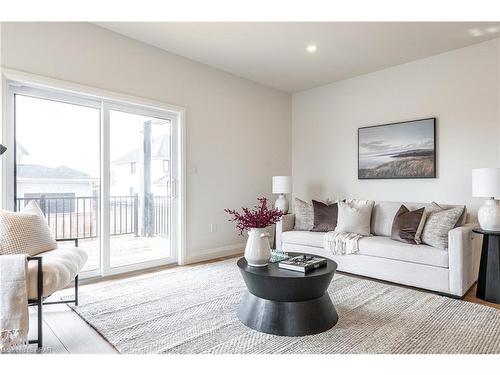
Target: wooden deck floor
[
  {"x": 125, "y": 249},
  {"x": 65, "y": 332}
]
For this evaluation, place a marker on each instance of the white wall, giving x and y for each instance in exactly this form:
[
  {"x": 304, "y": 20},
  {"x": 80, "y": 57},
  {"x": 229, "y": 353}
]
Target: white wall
[
  {"x": 238, "y": 132},
  {"x": 460, "y": 88}
]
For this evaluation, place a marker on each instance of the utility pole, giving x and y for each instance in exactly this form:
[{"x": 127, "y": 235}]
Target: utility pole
[{"x": 147, "y": 199}]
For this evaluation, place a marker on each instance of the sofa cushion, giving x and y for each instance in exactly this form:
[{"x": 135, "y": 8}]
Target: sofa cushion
[
  {"x": 434, "y": 207},
  {"x": 354, "y": 216},
  {"x": 407, "y": 225},
  {"x": 25, "y": 232},
  {"x": 304, "y": 215},
  {"x": 325, "y": 216},
  {"x": 384, "y": 247},
  {"x": 59, "y": 267},
  {"x": 377, "y": 246},
  {"x": 306, "y": 238},
  {"x": 383, "y": 214},
  {"x": 438, "y": 223}
]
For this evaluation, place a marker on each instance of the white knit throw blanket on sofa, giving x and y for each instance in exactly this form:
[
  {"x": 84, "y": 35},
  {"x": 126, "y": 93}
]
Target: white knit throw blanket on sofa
[
  {"x": 341, "y": 243},
  {"x": 13, "y": 301}
]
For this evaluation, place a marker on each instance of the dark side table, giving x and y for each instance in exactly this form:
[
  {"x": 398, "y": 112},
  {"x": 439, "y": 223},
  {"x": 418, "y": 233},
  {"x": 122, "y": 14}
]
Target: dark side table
[
  {"x": 488, "y": 282},
  {"x": 287, "y": 303}
]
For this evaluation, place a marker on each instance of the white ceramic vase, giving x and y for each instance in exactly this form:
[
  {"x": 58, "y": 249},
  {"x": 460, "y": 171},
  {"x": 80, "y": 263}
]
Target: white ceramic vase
[{"x": 257, "y": 250}]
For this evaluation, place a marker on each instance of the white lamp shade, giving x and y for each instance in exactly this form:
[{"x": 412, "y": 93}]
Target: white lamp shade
[
  {"x": 282, "y": 184},
  {"x": 486, "y": 182}
]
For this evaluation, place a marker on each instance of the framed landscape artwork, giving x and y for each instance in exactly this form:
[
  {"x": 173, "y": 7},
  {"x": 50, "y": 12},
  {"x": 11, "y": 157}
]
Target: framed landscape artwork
[{"x": 399, "y": 150}]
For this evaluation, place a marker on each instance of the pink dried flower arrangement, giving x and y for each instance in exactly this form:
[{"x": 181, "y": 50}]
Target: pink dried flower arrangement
[{"x": 260, "y": 217}]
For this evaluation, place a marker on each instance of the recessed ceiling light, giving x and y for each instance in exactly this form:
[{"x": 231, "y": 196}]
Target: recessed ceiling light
[{"x": 311, "y": 48}]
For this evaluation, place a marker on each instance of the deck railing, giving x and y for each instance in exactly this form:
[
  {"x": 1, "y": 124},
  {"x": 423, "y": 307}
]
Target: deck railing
[{"x": 78, "y": 217}]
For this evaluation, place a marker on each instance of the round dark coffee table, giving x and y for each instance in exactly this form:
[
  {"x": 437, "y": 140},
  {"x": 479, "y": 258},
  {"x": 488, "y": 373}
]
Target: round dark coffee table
[{"x": 287, "y": 303}]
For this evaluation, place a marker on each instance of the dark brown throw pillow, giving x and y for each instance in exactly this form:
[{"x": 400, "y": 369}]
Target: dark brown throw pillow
[
  {"x": 325, "y": 216},
  {"x": 406, "y": 224}
]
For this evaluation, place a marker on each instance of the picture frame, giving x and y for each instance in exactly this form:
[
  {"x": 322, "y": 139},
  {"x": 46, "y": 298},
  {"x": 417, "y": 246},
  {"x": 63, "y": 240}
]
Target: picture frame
[{"x": 398, "y": 150}]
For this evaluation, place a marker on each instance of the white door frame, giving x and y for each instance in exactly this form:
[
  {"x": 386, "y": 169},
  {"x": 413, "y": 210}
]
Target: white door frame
[
  {"x": 59, "y": 90},
  {"x": 108, "y": 106}
]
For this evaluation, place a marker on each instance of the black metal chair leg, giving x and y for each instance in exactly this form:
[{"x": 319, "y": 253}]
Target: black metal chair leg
[
  {"x": 40, "y": 324},
  {"x": 40, "y": 303},
  {"x": 76, "y": 290},
  {"x": 39, "y": 300}
]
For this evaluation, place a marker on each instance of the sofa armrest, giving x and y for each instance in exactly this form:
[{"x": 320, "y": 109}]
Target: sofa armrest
[
  {"x": 464, "y": 250},
  {"x": 286, "y": 224}
]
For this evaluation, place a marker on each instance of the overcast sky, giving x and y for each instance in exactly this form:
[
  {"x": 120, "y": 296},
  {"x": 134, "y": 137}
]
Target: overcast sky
[
  {"x": 56, "y": 133},
  {"x": 396, "y": 138}
]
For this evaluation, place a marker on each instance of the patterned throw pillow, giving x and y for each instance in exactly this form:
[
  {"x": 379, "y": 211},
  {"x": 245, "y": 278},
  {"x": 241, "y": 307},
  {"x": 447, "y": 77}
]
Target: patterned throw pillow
[
  {"x": 25, "y": 232},
  {"x": 436, "y": 207},
  {"x": 438, "y": 223},
  {"x": 304, "y": 215}
]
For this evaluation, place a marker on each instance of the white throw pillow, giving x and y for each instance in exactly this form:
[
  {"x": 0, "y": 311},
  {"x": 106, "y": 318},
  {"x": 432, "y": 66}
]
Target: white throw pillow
[
  {"x": 354, "y": 216},
  {"x": 25, "y": 232}
]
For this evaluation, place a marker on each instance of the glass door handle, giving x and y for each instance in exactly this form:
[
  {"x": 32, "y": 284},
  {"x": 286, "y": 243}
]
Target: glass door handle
[{"x": 173, "y": 193}]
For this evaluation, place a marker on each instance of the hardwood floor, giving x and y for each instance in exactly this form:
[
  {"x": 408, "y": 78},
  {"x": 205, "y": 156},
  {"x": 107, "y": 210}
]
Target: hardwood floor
[
  {"x": 65, "y": 332},
  {"x": 471, "y": 297}
]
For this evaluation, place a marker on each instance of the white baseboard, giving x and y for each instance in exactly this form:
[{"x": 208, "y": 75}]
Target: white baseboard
[{"x": 217, "y": 252}]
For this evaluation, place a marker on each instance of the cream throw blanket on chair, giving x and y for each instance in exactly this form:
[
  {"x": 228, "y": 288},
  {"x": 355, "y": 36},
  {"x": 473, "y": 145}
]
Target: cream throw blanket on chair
[
  {"x": 341, "y": 243},
  {"x": 13, "y": 301}
]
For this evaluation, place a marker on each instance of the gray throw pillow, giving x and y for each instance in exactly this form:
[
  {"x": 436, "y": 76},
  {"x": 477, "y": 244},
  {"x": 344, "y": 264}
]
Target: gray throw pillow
[
  {"x": 438, "y": 223},
  {"x": 436, "y": 207},
  {"x": 304, "y": 215}
]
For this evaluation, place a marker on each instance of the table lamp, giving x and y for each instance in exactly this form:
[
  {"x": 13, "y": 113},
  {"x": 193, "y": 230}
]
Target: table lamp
[
  {"x": 486, "y": 183},
  {"x": 282, "y": 185}
]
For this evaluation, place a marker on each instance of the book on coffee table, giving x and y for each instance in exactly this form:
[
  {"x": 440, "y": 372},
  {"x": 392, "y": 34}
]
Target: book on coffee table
[{"x": 302, "y": 263}]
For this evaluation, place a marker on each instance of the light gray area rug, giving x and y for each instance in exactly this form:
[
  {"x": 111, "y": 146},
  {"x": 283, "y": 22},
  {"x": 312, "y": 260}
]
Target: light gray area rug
[{"x": 193, "y": 310}]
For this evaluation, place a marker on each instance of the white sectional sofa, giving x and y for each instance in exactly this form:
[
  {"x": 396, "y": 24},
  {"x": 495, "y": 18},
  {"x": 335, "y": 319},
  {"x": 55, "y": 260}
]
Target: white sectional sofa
[{"x": 451, "y": 272}]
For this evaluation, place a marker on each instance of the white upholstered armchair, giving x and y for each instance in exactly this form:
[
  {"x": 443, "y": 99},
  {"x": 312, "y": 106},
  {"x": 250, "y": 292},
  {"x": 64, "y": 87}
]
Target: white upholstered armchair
[
  {"x": 49, "y": 272},
  {"x": 32, "y": 268}
]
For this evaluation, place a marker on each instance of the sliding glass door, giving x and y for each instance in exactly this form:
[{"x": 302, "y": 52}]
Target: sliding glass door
[
  {"x": 57, "y": 165},
  {"x": 140, "y": 188},
  {"x": 102, "y": 172}
]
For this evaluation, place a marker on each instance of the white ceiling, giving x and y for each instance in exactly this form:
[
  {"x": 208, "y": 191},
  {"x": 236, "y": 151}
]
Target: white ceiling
[{"x": 274, "y": 53}]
